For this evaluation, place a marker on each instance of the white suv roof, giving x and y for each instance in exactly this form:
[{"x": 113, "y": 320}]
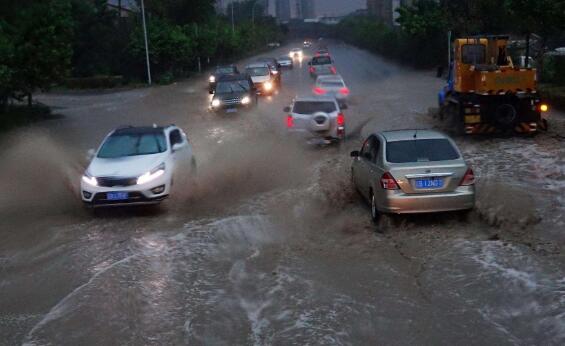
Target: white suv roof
[
  {"x": 315, "y": 99},
  {"x": 329, "y": 78}
]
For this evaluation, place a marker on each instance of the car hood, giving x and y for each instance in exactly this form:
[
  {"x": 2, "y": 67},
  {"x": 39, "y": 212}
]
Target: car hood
[
  {"x": 232, "y": 95},
  {"x": 260, "y": 79},
  {"x": 129, "y": 166}
]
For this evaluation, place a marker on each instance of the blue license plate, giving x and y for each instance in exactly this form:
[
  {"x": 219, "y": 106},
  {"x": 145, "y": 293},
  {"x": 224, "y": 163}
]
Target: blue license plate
[
  {"x": 429, "y": 183},
  {"x": 117, "y": 196},
  {"x": 231, "y": 110}
]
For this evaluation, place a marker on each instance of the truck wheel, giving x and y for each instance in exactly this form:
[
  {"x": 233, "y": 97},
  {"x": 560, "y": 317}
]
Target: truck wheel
[{"x": 455, "y": 122}]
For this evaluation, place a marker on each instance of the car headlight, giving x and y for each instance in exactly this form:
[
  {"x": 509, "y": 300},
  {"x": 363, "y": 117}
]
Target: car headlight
[
  {"x": 268, "y": 86},
  {"x": 212, "y": 79},
  {"x": 245, "y": 100},
  {"x": 152, "y": 175},
  {"x": 275, "y": 72},
  {"x": 291, "y": 54},
  {"x": 216, "y": 103},
  {"x": 89, "y": 180}
]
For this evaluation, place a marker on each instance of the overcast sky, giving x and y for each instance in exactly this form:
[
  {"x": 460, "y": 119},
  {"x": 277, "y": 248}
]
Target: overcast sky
[{"x": 338, "y": 7}]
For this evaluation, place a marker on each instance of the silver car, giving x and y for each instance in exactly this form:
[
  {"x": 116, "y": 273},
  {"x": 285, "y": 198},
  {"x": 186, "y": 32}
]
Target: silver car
[
  {"x": 321, "y": 65},
  {"x": 318, "y": 120},
  {"x": 332, "y": 85},
  {"x": 412, "y": 171},
  {"x": 285, "y": 61}
]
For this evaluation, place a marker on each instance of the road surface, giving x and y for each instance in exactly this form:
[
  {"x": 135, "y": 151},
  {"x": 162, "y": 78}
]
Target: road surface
[{"x": 273, "y": 246}]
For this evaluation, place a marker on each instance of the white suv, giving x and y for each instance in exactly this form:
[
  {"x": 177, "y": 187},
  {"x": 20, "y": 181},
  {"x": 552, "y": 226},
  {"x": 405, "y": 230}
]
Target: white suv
[
  {"x": 318, "y": 120},
  {"x": 137, "y": 165}
]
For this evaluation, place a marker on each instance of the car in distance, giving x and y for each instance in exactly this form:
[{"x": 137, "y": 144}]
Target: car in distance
[
  {"x": 274, "y": 67},
  {"x": 285, "y": 61},
  {"x": 412, "y": 171},
  {"x": 233, "y": 93},
  {"x": 296, "y": 53},
  {"x": 322, "y": 52},
  {"x": 332, "y": 85},
  {"x": 307, "y": 44},
  {"x": 262, "y": 78},
  {"x": 321, "y": 65},
  {"x": 137, "y": 165},
  {"x": 273, "y": 44},
  {"x": 218, "y": 73},
  {"x": 317, "y": 120}
]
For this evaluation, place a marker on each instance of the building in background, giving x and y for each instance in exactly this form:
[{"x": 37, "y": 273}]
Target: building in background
[
  {"x": 271, "y": 8},
  {"x": 337, "y": 8},
  {"x": 283, "y": 10},
  {"x": 385, "y": 10},
  {"x": 308, "y": 9}
]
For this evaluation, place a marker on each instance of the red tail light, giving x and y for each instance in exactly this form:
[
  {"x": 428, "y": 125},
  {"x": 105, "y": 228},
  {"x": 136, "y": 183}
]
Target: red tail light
[
  {"x": 344, "y": 91},
  {"x": 334, "y": 71},
  {"x": 388, "y": 182},
  {"x": 340, "y": 119},
  {"x": 289, "y": 121},
  {"x": 312, "y": 69},
  {"x": 319, "y": 91},
  {"x": 468, "y": 178}
]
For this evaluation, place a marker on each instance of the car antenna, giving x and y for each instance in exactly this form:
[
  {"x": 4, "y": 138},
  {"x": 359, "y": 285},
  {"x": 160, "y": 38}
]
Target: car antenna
[{"x": 415, "y": 134}]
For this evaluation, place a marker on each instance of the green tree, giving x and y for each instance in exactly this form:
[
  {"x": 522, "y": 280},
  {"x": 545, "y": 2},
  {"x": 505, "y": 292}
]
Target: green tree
[
  {"x": 6, "y": 68},
  {"x": 546, "y": 18},
  {"x": 424, "y": 19},
  {"x": 100, "y": 39},
  {"x": 42, "y": 53},
  {"x": 171, "y": 50},
  {"x": 182, "y": 12}
]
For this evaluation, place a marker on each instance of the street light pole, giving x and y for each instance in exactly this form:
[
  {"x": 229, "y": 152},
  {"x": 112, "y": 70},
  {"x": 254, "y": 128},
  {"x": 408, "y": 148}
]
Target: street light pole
[
  {"x": 232, "y": 22},
  {"x": 146, "y": 43},
  {"x": 253, "y": 12}
]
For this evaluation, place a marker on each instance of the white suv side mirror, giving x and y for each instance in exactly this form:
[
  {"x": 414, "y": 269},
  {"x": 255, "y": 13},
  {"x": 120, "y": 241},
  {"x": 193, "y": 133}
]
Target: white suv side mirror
[{"x": 177, "y": 147}]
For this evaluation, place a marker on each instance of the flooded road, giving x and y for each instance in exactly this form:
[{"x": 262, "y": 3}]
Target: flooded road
[{"x": 273, "y": 246}]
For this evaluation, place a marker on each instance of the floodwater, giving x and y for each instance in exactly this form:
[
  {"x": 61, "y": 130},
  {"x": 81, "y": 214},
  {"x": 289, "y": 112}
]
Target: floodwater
[{"x": 273, "y": 246}]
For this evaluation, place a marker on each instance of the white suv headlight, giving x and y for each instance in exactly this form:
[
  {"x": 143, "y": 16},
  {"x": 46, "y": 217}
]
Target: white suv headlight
[
  {"x": 245, "y": 100},
  {"x": 152, "y": 175},
  {"x": 89, "y": 180},
  {"x": 216, "y": 103},
  {"x": 212, "y": 79}
]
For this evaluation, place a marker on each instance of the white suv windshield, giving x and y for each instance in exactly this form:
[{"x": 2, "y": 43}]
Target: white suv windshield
[
  {"x": 132, "y": 144},
  {"x": 257, "y": 71}
]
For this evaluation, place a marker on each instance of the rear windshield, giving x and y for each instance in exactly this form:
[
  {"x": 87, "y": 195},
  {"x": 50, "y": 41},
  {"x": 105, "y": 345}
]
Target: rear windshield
[
  {"x": 332, "y": 84},
  {"x": 311, "y": 107},
  {"x": 420, "y": 150},
  {"x": 322, "y": 60},
  {"x": 132, "y": 144},
  {"x": 257, "y": 71}
]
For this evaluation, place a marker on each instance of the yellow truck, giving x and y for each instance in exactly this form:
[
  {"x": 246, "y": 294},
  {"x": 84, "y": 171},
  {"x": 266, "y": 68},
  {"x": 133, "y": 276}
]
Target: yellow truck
[{"x": 486, "y": 93}]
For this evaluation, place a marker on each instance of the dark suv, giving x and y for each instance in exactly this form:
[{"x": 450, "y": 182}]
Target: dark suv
[
  {"x": 219, "y": 72},
  {"x": 234, "y": 92}
]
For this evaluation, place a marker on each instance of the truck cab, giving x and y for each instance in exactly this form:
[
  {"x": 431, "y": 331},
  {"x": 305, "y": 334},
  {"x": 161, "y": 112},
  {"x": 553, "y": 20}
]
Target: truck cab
[{"x": 487, "y": 93}]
